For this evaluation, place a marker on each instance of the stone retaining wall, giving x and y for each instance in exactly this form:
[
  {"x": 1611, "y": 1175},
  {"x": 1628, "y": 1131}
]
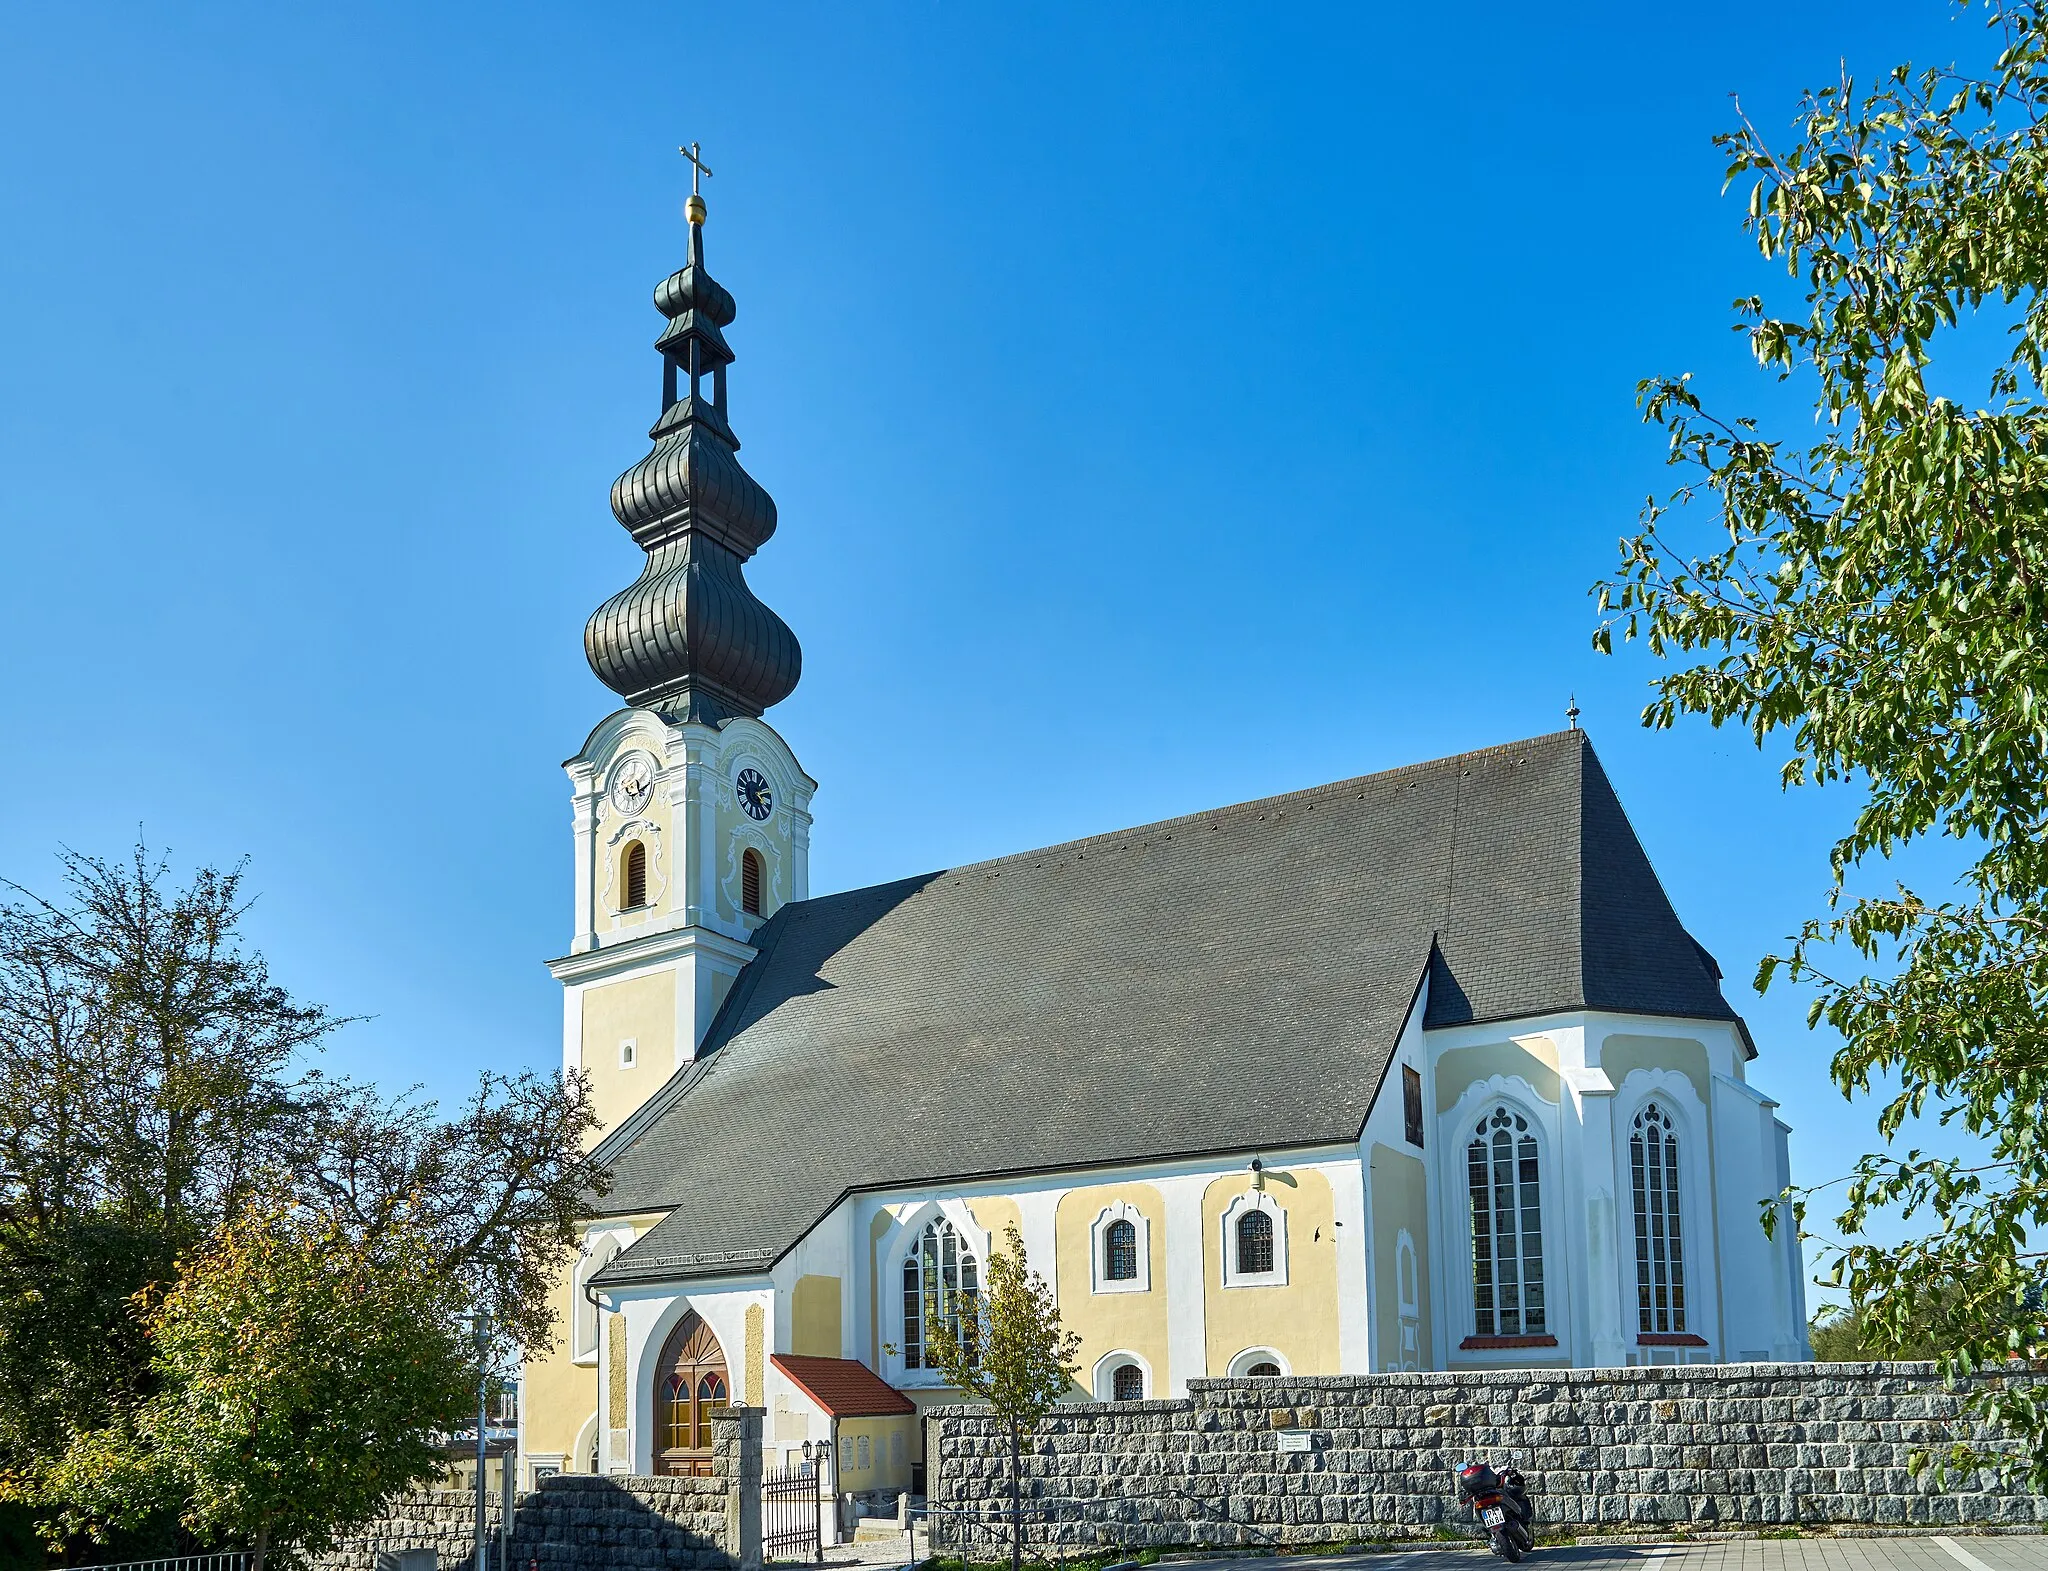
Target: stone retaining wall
[
  {"x": 580, "y": 1522},
  {"x": 1371, "y": 1456}
]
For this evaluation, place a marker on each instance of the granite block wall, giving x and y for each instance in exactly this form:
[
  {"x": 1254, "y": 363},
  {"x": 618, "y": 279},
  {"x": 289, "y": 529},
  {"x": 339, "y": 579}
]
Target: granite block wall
[
  {"x": 581, "y": 1522},
  {"x": 1248, "y": 1462}
]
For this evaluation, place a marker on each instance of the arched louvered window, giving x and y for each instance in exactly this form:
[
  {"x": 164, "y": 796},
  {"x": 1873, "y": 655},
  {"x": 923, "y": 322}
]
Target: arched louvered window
[
  {"x": 940, "y": 1278},
  {"x": 1507, "y": 1226},
  {"x": 1120, "y": 1252},
  {"x": 1254, "y": 1244},
  {"x": 1660, "y": 1246},
  {"x": 1127, "y": 1384},
  {"x": 750, "y": 881},
  {"x": 633, "y": 876}
]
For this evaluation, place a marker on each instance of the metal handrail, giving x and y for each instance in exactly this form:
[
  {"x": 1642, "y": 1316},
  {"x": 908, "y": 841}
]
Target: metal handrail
[{"x": 219, "y": 1560}]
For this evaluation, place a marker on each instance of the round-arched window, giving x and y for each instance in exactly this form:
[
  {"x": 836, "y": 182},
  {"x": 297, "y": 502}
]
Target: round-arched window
[
  {"x": 750, "y": 881},
  {"x": 1254, "y": 1244},
  {"x": 1120, "y": 1252},
  {"x": 633, "y": 876},
  {"x": 1127, "y": 1384}
]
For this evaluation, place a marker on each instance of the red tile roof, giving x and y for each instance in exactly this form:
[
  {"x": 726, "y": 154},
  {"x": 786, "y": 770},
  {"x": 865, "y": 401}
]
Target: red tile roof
[{"x": 842, "y": 1387}]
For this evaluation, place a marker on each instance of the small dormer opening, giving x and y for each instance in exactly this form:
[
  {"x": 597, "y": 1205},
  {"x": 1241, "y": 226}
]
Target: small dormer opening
[
  {"x": 633, "y": 876},
  {"x": 750, "y": 881}
]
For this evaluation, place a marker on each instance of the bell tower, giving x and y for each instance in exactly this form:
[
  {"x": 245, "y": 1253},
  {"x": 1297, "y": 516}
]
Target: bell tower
[{"x": 690, "y": 815}]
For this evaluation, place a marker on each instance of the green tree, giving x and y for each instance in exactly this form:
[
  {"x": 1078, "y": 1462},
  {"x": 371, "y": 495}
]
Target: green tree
[
  {"x": 154, "y": 1081},
  {"x": 1874, "y": 592},
  {"x": 1010, "y": 1351},
  {"x": 303, "y": 1376}
]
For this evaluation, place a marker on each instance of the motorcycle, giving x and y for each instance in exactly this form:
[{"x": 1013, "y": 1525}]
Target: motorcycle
[{"x": 1501, "y": 1502}]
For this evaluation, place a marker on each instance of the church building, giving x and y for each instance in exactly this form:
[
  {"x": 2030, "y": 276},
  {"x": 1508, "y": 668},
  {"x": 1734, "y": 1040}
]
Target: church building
[{"x": 1413, "y": 1071}]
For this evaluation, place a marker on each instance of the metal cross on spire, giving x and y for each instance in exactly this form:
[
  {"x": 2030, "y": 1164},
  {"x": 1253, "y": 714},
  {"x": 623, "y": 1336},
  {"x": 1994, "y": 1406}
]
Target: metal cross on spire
[{"x": 698, "y": 168}]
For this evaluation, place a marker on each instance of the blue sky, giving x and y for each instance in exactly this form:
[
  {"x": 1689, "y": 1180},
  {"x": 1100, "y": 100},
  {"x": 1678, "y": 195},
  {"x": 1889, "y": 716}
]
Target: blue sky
[{"x": 1166, "y": 406}]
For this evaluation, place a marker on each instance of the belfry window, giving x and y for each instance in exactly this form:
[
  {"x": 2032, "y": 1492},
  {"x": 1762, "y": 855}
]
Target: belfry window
[
  {"x": 750, "y": 881},
  {"x": 1660, "y": 1247},
  {"x": 940, "y": 1281},
  {"x": 633, "y": 876},
  {"x": 1507, "y": 1227},
  {"x": 1120, "y": 1252},
  {"x": 1254, "y": 1244}
]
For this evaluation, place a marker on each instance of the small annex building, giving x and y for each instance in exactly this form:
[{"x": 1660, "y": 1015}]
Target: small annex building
[{"x": 1418, "y": 1070}]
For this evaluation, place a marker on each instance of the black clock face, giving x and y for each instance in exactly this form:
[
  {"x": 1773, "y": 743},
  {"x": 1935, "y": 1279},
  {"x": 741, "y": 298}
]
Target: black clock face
[{"x": 753, "y": 793}]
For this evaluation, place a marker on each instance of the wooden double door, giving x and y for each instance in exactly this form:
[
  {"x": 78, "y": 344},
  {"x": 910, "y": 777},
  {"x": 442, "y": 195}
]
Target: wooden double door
[{"x": 690, "y": 1390}]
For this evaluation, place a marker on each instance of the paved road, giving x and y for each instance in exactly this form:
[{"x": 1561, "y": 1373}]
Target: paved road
[
  {"x": 1999, "y": 1552},
  {"x": 2004, "y": 1552}
]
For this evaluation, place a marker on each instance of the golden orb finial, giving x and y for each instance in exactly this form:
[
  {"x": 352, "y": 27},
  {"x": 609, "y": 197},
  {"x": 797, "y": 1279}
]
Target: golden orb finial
[{"x": 693, "y": 209}]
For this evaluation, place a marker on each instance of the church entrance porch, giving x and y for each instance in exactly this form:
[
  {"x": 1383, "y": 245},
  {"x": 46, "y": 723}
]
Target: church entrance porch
[{"x": 691, "y": 1389}]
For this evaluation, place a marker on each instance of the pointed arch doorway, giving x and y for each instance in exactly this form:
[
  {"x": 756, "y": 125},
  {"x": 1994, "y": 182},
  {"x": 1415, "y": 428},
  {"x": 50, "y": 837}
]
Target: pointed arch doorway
[{"x": 690, "y": 1389}]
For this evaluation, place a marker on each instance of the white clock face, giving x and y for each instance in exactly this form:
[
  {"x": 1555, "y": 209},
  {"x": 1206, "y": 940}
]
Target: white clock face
[{"x": 633, "y": 783}]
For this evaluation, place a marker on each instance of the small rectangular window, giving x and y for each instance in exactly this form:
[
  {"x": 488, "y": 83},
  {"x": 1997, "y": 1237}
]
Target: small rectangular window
[{"x": 1411, "y": 1104}]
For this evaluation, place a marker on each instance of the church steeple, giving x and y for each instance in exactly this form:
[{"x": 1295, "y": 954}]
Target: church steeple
[{"x": 689, "y": 639}]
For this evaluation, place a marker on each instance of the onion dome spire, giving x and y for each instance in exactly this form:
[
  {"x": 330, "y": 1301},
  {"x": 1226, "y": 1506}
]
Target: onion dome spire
[{"x": 688, "y": 639}]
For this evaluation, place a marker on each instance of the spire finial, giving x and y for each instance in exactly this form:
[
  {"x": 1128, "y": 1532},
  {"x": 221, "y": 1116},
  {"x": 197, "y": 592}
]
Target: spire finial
[
  {"x": 1571, "y": 714},
  {"x": 694, "y": 208}
]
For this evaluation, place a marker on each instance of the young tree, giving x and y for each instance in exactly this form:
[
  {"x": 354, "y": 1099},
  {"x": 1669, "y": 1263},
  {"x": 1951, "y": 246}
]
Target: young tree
[
  {"x": 303, "y": 1376},
  {"x": 1009, "y": 1350},
  {"x": 1877, "y": 593}
]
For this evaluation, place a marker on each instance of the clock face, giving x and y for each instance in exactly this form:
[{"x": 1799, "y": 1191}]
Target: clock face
[
  {"x": 633, "y": 783},
  {"x": 754, "y": 794}
]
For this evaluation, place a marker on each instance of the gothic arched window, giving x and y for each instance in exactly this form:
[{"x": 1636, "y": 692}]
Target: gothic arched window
[
  {"x": 1127, "y": 1384},
  {"x": 1254, "y": 1244},
  {"x": 1660, "y": 1248},
  {"x": 940, "y": 1279},
  {"x": 750, "y": 881},
  {"x": 1120, "y": 1252},
  {"x": 633, "y": 876},
  {"x": 1507, "y": 1226}
]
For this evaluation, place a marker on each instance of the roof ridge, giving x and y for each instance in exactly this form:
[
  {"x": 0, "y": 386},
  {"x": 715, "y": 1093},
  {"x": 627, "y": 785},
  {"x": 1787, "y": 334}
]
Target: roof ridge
[{"x": 1327, "y": 789}]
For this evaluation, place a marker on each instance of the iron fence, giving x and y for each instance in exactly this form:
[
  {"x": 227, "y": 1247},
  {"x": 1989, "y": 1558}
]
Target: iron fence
[{"x": 221, "y": 1560}]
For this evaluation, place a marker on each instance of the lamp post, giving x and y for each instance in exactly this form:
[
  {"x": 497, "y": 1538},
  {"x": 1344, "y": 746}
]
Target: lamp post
[{"x": 483, "y": 1388}]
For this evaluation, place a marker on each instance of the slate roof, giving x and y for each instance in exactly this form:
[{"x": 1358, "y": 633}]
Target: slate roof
[
  {"x": 1229, "y": 981},
  {"x": 842, "y": 1387}
]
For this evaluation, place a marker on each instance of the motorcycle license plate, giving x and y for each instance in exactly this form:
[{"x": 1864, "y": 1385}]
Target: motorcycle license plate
[{"x": 1495, "y": 1516}]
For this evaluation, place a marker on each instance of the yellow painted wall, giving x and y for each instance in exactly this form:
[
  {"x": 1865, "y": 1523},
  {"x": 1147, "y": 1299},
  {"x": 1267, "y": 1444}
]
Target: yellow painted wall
[
  {"x": 1298, "y": 1320},
  {"x": 557, "y": 1394},
  {"x": 1399, "y": 1199},
  {"x": 995, "y": 1212},
  {"x": 1111, "y": 1322},
  {"x": 892, "y": 1447},
  {"x": 1619, "y": 1054},
  {"x": 1534, "y": 1058},
  {"x": 640, "y": 1007},
  {"x": 814, "y": 1316}
]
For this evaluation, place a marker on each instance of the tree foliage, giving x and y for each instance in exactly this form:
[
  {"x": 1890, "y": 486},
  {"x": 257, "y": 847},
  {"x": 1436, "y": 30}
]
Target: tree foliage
[
  {"x": 1877, "y": 594},
  {"x": 304, "y": 1372},
  {"x": 155, "y": 1083},
  {"x": 1010, "y": 1351}
]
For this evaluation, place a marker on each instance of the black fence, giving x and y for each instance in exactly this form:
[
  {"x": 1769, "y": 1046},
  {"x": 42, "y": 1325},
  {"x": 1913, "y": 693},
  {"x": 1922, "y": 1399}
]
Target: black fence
[{"x": 789, "y": 1514}]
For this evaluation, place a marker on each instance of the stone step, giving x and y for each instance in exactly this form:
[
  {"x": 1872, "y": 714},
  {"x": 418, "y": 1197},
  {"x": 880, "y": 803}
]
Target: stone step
[{"x": 877, "y": 1530}]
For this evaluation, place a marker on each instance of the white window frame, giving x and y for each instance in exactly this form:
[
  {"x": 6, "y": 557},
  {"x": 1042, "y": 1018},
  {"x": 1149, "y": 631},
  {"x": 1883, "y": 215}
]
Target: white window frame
[
  {"x": 1254, "y": 1200},
  {"x": 600, "y": 1247},
  {"x": 629, "y": 1052},
  {"x": 1673, "y": 1092},
  {"x": 1454, "y": 1133},
  {"x": 1098, "y": 1249},
  {"x": 908, "y": 1231},
  {"x": 1102, "y": 1379},
  {"x": 1239, "y": 1367}
]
